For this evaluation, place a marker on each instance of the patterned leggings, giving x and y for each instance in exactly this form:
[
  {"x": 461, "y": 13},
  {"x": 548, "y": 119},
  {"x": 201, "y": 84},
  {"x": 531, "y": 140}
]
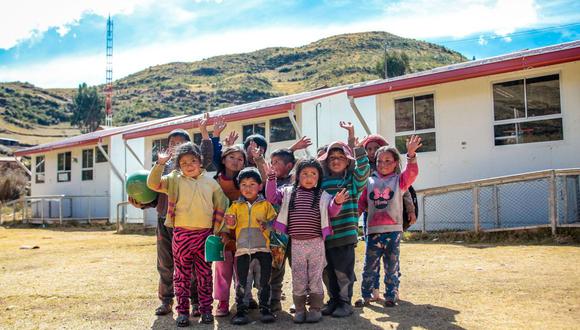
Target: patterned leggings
[
  {"x": 188, "y": 253},
  {"x": 308, "y": 262},
  {"x": 386, "y": 245}
]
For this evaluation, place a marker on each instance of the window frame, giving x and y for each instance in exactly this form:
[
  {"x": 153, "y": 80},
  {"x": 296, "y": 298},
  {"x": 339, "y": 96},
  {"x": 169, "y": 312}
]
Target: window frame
[
  {"x": 269, "y": 129},
  {"x": 526, "y": 119},
  {"x": 415, "y": 131},
  {"x": 36, "y": 172},
  {"x": 87, "y": 169},
  {"x": 265, "y": 123},
  {"x": 63, "y": 171}
]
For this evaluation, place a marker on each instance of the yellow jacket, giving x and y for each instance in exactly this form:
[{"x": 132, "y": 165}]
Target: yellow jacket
[{"x": 251, "y": 237}]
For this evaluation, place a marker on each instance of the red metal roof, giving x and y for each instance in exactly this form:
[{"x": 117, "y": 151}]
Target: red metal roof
[
  {"x": 522, "y": 60},
  {"x": 257, "y": 109},
  {"x": 89, "y": 138}
]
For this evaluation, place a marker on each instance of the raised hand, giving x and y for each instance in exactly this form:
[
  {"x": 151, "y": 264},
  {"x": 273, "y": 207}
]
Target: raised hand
[
  {"x": 303, "y": 143},
  {"x": 231, "y": 139},
  {"x": 164, "y": 155},
  {"x": 218, "y": 126},
  {"x": 413, "y": 144},
  {"x": 254, "y": 150},
  {"x": 203, "y": 126},
  {"x": 270, "y": 170},
  {"x": 358, "y": 143},
  {"x": 341, "y": 196},
  {"x": 347, "y": 125}
]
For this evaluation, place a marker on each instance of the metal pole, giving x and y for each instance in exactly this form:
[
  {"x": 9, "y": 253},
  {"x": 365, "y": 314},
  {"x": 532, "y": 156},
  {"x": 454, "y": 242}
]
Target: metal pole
[
  {"x": 475, "y": 197},
  {"x": 423, "y": 214},
  {"x": 42, "y": 210},
  {"x": 359, "y": 115},
  {"x": 296, "y": 128},
  {"x": 90, "y": 207},
  {"x": 552, "y": 202},
  {"x": 565, "y": 198},
  {"x": 60, "y": 211},
  {"x": 496, "y": 205},
  {"x": 133, "y": 153}
]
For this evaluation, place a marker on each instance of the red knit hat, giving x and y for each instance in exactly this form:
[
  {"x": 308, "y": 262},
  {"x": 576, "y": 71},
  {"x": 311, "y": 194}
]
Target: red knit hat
[{"x": 381, "y": 141}]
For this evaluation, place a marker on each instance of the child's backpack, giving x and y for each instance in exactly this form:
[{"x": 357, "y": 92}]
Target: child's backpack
[{"x": 406, "y": 221}]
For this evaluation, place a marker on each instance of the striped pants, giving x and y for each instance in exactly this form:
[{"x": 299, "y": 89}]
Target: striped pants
[{"x": 188, "y": 253}]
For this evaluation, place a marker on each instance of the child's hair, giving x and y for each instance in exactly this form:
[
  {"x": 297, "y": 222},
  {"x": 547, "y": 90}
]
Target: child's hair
[
  {"x": 187, "y": 148},
  {"x": 230, "y": 150},
  {"x": 259, "y": 139},
  {"x": 179, "y": 132},
  {"x": 285, "y": 154},
  {"x": 393, "y": 151},
  {"x": 248, "y": 173},
  {"x": 305, "y": 163}
]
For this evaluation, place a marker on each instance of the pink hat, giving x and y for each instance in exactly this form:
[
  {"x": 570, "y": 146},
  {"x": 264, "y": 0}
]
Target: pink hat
[
  {"x": 338, "y": 145},
  {"x": 381, "y": 141}
]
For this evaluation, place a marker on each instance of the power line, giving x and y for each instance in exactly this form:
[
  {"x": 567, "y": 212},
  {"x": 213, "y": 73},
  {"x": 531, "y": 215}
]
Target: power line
[{"x": 514, "y": 34}]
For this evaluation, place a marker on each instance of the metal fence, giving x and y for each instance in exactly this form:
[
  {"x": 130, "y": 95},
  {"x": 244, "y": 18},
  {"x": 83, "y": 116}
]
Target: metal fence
[
  {"x": 531, "y": 200},
  {"x": 52, "y": 208}
]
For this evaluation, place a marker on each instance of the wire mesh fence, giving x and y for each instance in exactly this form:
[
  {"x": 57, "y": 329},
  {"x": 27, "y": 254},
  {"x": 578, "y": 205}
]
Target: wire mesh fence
[{"x": 530, "y": 200}]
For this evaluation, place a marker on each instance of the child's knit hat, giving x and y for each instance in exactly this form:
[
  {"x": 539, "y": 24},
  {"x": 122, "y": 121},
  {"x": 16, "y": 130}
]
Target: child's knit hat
[
  {"x": 345, "y": 149},
  {"x": 381, "y": 141},
  {"x": 259, "y": 139}
]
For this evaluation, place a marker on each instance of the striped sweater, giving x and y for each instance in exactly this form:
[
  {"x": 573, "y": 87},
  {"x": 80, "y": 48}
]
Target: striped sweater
[{"x": 345, "y": 224}]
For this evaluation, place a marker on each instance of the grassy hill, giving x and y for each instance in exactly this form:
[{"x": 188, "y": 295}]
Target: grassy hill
[{"x": 189, "y": 88}]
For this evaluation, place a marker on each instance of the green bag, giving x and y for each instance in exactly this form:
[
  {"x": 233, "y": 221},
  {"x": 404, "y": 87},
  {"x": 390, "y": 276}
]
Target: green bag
[{"x": 214, "y": 249}]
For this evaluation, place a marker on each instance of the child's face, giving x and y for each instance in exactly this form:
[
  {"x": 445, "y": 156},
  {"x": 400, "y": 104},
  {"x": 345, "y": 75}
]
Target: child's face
[
  {"x": 234, "y": 162},
  {"x": 282, "y": 169},
  {"x": 371, "y": 149},
  {"x": 190, "y": 166},
  {"x": 175, "y": 141},
  {"x": 250, "y": 189},
  {"x": 337, "y": 162},
  {"x": 386, "y": 163},
  {"x": 308, "y": 177}
]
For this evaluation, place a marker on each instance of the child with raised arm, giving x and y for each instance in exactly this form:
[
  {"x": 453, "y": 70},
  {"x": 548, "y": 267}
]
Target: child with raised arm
[
  {"x": 383, "y": 198},
  {"x": 305, "y": 215},
  {"x": 196, "y": 205},
  {"x": 248, "y": 216}
]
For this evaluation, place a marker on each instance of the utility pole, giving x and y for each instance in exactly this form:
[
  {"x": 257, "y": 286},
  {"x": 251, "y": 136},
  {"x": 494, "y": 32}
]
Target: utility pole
[{"x": 109, "y": 75}]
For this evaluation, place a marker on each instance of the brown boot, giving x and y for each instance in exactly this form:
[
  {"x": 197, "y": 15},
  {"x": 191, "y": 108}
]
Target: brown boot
[
  {"x": 316, "y": 301},
  {"x": 300, "y": 305}
]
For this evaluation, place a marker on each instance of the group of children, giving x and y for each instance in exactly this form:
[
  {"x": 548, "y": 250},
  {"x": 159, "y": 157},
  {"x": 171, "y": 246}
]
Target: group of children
[{"x": 312, "y": 206}]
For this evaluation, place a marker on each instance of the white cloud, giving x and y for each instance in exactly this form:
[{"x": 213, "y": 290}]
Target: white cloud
[
  {"x": 482, "y": 41},
  {"x": 24, "y": 19}
]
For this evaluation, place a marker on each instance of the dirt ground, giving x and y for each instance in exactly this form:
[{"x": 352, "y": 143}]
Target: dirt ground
[{"x": 95, "y": 279}]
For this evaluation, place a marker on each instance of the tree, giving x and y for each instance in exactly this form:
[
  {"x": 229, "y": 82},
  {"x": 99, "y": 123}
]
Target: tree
[
  {"x": 397, "y": 65},
  {"x": 88, "y": 108}
]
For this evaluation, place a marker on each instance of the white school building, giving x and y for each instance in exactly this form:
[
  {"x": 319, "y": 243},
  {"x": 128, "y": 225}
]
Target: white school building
[{"x": 498, "y": 116}]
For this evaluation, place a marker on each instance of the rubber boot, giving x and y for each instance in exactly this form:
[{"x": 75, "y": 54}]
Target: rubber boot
[
  {"x": 316, "y": 301},
  {"x": 300, "y": 304}
]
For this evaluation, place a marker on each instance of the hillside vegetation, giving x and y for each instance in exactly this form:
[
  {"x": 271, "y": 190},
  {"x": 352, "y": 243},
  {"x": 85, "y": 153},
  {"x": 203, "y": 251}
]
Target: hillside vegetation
[{"x": 190, "y": 88}]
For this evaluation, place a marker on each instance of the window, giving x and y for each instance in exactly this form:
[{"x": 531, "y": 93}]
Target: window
[
  {"x": 39, "y": 172},
  {"x": 158, "y": 145},
  {"x": 197, "y": 137},
  {"x": 100, "y": 157},
  {"x": 415, "y": 116},
  {"x": 253, "y": 129},
  {"x": 87, "y": 165},
  {"x": 527, "y": 110},
  {"x": 63, "y": 168},
  {"x": 281, "y": 129}
]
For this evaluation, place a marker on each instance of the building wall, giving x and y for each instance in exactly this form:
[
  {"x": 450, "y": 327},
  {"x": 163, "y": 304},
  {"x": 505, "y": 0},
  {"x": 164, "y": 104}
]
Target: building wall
[
  {"x": 98, "y": 186},
  {"x": 465, "y": 130}
]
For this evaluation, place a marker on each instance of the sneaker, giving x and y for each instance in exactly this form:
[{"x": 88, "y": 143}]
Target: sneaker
[
  {"x": 329, "y": 308},
  {"x": 362, "y": 302},
  {"x": 164, "y": 309},
  {"x": 299, "y": 317},
  {"x": 292, "y": 309},
  {"x": 195, "y": 310},
  {"x": 206, "y": 319},
  {"x": 275, "y": 305},
  {"x": 343, "y": 310},
  {"x": 389, "y": 302},
  {"x": 376, "y": 295},
  {"x": 313, "y": 316},
  {"x": 241, "y": 318},
  {"x": 223, "y": 309},
  {"x": 253, "y": 304},
  {"x": 266, "y": 316},
  {"x": 182, "y": 320}
]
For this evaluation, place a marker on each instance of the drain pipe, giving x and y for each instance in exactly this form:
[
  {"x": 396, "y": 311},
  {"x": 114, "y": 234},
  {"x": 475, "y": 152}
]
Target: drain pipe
[
  {"x": 359, "y": 115},
  {"x": 133, "y": 153},
  {"x": 291, "y": 114},
  {"x": 23, "y": 166}
]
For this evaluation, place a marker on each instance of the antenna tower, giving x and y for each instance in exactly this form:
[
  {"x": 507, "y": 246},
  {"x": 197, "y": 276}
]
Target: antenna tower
[{"x": 109, "y": 75}]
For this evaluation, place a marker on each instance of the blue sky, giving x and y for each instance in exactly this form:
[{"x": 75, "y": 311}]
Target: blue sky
[{"x": 61, "y": 43}]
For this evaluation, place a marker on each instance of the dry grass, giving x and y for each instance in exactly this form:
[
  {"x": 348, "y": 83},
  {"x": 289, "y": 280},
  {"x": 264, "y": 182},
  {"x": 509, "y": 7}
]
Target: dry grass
[{"x": 95, "y": 279}]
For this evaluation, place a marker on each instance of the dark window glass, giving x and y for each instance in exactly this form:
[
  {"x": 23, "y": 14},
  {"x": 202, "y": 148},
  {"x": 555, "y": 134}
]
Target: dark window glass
[
  {"x": 427, "y": 139},
  {"x": 281, "y": 129},
  {"x": 508, "y": 100},
  {"x": 248, "y": 130},
  {"x": 529, "y": 132},
  {"x": 404, "y": 115},
  {"x": 543, "y": 94},
  {"x": 424, "y": 112},
  {"x": 87, "y": 158},
  {"x": 64, "y": 160},
  {"x": 100, "y": 157},
  {"x": 87, "y": 175}
]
